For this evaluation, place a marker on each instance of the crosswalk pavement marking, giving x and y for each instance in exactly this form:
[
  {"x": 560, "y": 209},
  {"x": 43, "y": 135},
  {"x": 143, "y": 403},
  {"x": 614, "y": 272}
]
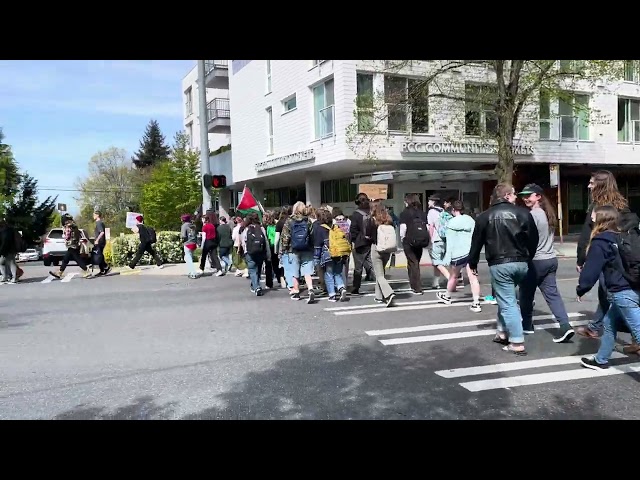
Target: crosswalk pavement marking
[
  {"x": 49, "y": 279},
  {"x": 548, "y": 377},
  {"x": 67, "y": 278},
  {"x": 380, "y": 305},
  {"x": 468, "y": 334},
  {"x": 442, "y": 326},
  {"x": 512, "y": 366},
  {"x": 400, "y": 307}
]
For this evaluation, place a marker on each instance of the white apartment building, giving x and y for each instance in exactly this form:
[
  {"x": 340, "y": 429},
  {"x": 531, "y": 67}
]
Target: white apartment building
[
  {"x": 218, "y": 115},
  {"x": 294, "y": 123}
]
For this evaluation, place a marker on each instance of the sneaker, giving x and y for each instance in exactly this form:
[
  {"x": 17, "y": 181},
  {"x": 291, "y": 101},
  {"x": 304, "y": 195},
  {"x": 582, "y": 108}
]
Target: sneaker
[
  {"x": 57, "y": 274},
  {"x": 443, "y": 297},
  {"x": 528, "y": 331},
  {"x": 106, "y": 270},
  {"x": 476, "y": 308},
  {"x": 566, "y": 333},
  {"x": 13, "y": 281},
  {"x": 343, "y": 294},
  {"x": 220, "y": 273},
  {"x": 590, "y": 362},
  {"x": 312, "y": 297},
  {"x": 334, "y": 299},
  {"x": 415, "y": 292},
  {"x": 160, "y": 267},
  {"x": 491, "y": 300},
  {"x": 239, "y": 273},
  {"x": 87, "y": 274},
  {"x": 259, "y": 292},
  {"x": 378, "y": 300},
  {"x": 295, "y": 296},
  {"x": 389, "y": 300}
]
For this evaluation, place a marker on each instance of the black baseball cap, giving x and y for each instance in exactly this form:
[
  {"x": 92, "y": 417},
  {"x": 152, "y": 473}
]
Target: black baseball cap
[{"x": 532, "y": 188}]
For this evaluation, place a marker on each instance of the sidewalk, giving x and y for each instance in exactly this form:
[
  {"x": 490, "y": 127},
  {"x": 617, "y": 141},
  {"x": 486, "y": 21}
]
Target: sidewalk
[{"x": 563, "y": 250}]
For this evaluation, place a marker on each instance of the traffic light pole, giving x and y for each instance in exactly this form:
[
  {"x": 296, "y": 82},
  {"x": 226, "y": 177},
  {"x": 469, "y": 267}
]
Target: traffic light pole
[{"x": 204, "y": 135}]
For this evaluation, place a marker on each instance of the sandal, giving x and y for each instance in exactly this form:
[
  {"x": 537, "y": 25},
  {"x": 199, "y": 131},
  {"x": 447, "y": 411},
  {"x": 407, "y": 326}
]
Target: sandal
[
  {"x": 509, "y": 348},
  {"x": 500, "y": 340}
]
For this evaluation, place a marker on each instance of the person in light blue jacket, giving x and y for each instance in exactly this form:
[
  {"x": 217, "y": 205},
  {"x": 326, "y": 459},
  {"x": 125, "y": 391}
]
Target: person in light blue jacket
[{"x": 459, "y": 233}]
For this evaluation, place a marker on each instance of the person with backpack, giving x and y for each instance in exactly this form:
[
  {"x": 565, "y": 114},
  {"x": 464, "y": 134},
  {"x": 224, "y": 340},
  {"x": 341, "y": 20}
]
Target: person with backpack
[
  {"x": 543, "y": 267},
  {"x": 361, "y": 242},
  {"x": 285, "y": 212},
  {"x": 225, "y": 243},
  {"x": 255, "y": 247},
  {"x": 344, "y": 224},
  {"x": 189, "y": 237},
  {"x": 331, "y": 248},
  {"x": 296, "y": 251},
  {"x": 210, "y": 244},
  {"x": 610, "y": 253},
  {"x": 604, "y": 191},
  {"x": 271, "y": 267},
  {"x": 147, "y": 239},
  {"x": 438, "y": 247},
  {"x": 414, "y": 236},
  {"x": 384, "y": 242},
  {"x": 73, "y": 238},
  {"x": 237, "y": 259}
]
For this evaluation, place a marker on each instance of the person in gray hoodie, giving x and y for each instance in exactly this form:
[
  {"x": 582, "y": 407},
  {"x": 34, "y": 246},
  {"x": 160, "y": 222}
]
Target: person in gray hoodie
[{"x": 189, "y": 237}]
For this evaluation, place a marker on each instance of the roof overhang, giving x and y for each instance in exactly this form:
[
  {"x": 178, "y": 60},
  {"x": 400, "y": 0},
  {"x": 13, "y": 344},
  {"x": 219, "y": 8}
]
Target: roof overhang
[{"x": 424, "y": 176}]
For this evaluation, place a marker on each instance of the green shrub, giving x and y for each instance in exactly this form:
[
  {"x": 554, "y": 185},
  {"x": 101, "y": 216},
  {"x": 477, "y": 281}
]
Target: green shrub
[
  {"x": 108, "y": 257},
  {"x": 169, "y": 247}
]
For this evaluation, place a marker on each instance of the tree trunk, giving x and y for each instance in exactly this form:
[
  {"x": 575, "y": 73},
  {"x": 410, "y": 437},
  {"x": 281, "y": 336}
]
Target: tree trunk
[{"x": 504, "y": 168}]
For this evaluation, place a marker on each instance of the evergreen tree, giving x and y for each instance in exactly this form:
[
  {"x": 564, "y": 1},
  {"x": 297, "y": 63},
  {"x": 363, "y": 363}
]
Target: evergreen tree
[
  {"x": 26, "y": 215},
  {"x": 152, "y": 147},
  {"x": 9, "y": 175}
]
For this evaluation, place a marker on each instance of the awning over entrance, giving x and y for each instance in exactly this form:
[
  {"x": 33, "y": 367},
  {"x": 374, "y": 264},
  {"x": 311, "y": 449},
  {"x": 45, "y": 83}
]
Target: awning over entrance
[{"x": 424, "y": 176}]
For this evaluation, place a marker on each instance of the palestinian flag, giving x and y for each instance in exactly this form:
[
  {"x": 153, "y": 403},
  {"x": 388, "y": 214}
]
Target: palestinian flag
[{"x": 248, "y": 204}]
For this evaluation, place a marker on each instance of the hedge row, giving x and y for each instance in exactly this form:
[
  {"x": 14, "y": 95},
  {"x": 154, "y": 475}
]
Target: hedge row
[{"x": 121, "y": 250}]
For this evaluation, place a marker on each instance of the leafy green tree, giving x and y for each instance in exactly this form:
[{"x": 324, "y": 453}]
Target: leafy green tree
[
  {"x": 152, "y": 147},
  {"x": 26, "y": 214},
  {"x": 506, "y": 93},
  {"x": 174, "y": 187},
  {"x": 9, "y": 175}
]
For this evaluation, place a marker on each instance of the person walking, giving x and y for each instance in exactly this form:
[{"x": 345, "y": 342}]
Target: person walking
[
  {"x": 542, "y": 269},
  {"x": 72, "y": 237},
  {"x": 226, "y": 243},
  {"x": 8, "y": 251},
  {"x": 255, "y": 248},
  {"x": 189, "y": 237},
  {"x": 210, "y": 245},
  {"x": 414, "y": 235},
  {"x": 509, "y": 236},
  {"x": 379, "y": 228},
  {"x": 146, "y": 244},
  {"x": 100, "y": 236},
  {"x": 361, "y": 243}
]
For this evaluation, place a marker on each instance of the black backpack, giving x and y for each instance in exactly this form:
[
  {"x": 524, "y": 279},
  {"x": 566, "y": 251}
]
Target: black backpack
[
  {"x": 418, "y": 232},
  {"x": 152, "y": 235},
  {"x": 629, "y": 248},
  {"x": 256, "y": 242}
]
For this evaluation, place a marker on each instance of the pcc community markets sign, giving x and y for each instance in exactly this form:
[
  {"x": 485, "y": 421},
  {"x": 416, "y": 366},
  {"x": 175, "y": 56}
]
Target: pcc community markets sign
[
  {"x": 461, "y": 147},
  {"x": 292, "y": 158}
]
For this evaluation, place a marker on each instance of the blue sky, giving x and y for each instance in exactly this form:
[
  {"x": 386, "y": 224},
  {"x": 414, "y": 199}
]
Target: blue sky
[{"x": 57, "y": 114}]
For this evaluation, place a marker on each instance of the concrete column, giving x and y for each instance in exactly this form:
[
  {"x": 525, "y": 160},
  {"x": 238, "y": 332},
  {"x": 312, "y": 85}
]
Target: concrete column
[
  {"x": 204, "y": 134},
  {"x": 224, "y": 203},
  {"x": 312, "y": 185}
]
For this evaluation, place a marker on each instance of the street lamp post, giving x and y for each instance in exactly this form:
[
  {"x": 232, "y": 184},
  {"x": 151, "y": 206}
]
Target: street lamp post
[{"x": 204, "y": 135}]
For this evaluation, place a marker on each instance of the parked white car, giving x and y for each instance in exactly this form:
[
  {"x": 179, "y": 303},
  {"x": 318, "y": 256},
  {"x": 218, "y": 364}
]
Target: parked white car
[{"x": 29, "y": 255}]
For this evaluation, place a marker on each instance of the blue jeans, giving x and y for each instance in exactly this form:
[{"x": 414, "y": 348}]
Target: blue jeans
[
  {"x": 596, "y": 324},
  {"x": 505, "y": 278},
  {"x": 254, "y": 264},
  {"x": 625, "y": 306},
  {"x": 542, "y": 275},
  {"x": 225, "y": 257},
  {"x": 333, "y": 278}
]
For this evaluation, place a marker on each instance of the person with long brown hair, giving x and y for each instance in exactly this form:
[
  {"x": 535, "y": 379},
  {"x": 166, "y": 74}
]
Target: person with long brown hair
[
  {"x": 603, "y": 259},
  {"x": 377, "y": 228},
  {"x": 604, "y": 191},
  {"x": 543, "y": 267}
]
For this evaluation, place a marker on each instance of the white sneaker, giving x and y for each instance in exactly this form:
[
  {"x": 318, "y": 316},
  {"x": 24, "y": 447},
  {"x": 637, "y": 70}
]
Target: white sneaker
[
  {"x": 220, "y": 273},
  {"x": 160, "y": 267},
  {"x": 238, "y": 273}
]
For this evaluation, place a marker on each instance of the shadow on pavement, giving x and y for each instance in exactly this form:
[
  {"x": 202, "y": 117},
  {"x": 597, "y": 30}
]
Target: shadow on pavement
[{"x": 365, "y": 382}]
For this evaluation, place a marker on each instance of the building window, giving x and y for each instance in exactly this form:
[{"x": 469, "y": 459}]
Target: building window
[
  {"x": 545, "y": 115},
  {"x": 323, "y": 109},
  {"x": 480, "y": 113},
  {"x": 337, "y": 191},
  {"x": 277, "y": 197},
  {"x": 574, "y": 117},
  {"x": 364, "y": 102},
  {"x": 571, "y": 66},
  {"x": 628, "y": 120},
  {"x": 190, "y": 134},
  {"x": 270, "y": 122},
  {"x": 268, "y": 76},
  {"x": 289, "y": 103},
  {"x": 315, "y": 63},
  {"x": 407, "y": 104},
  {"x": 188, "y": 102},
  {"x": 632, "y": 71}
]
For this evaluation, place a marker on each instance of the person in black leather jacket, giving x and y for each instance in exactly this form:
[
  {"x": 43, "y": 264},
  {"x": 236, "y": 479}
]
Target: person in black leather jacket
[{"x": 509, "y": 236}]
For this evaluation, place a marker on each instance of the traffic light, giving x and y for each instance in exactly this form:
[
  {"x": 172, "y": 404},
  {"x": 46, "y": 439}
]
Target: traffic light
[{"x": 219, "y": 181}]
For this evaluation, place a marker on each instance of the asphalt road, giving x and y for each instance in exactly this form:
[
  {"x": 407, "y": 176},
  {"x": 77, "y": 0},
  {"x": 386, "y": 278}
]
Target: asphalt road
[{"x": 147, "y": 347}]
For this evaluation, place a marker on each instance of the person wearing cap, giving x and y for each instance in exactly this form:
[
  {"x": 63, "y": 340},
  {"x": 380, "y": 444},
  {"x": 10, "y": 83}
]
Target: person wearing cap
[
  {"x": 145, "y": 244},
  {"x": 509, "y": 236},
  {"x": 543, "y": 267}
]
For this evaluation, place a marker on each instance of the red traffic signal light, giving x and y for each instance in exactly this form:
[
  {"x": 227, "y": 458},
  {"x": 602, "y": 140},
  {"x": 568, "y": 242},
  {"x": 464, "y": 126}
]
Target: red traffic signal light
[{"x": 219, "y": 181}]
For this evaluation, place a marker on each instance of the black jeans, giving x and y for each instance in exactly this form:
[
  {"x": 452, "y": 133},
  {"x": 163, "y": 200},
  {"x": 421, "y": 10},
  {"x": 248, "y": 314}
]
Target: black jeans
[
  {"x": 272, "y": 270},
  {"x": 362, "y": 261},
  {"x": 210, "y": 248},
  {"x": 73, "y": 254},
  {"x": 99, "y": 257},
  {"x": 414, "y": 255},
  {"x": 145, "y": 247}
]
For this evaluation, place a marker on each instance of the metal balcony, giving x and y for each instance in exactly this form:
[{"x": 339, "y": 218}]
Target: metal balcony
[
  {"x": 218, "y": 116},
  {"x": 216, "y": 74}
]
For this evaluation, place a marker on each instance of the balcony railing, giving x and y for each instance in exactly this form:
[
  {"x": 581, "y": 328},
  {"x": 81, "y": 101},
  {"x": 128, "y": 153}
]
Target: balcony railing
[
  {"x": 210, "y": 65},
  {"x": 218, "y": 108}
]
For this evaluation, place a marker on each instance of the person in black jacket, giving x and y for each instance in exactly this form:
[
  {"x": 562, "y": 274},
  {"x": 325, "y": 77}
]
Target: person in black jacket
[
  {"x": 361, "y": 243},
  {"x": 509, "y": 236},
  {"x": 8, "y": 251},
  {"x": 145, "y": 244}
]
